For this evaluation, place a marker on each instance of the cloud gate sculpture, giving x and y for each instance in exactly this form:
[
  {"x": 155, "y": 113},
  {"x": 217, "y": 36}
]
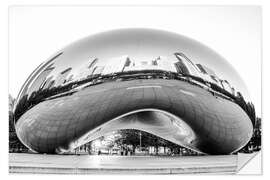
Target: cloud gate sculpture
[{"x": 151, "y": 80}]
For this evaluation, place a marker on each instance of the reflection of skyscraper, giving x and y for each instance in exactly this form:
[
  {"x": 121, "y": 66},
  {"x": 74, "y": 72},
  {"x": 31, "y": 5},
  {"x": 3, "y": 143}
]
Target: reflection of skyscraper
[
  {"x": 93, "y": 63},
  {"x": 92, "y": 66},
  {"x": 209, "y": 75},
  {"x": 61, "y": 78},
  {"x": 51, "y": 84},
  {"x": 127, "y": 63},
  {"x": 98, "y": 70},
  {"x": 186, "y": 65},
  {"x": 85, "y": 70},
  {"x": 233, "y": 91},
  {"x": 70, "y": 78},
  {"x": 154, "y": 62},
  {"x": 165, "y": 63},
  {"x": 116, "y": 65},
  {"x": 206, "y": 70},
  {"x": 35, "y": 74},
  {"x": 46, "y": 83},
  {"x": 181, "y": 67},
  {"x": 226, "y": 85},
  {"x": 40, "y": 79},
  {"x": 144, "y": 63},
  {"x": 159, "y": 63},
  {"x": 201, "y": 68}
]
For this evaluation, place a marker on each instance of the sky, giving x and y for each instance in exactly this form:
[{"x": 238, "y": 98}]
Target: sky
[{"x": 37, "y": 32}]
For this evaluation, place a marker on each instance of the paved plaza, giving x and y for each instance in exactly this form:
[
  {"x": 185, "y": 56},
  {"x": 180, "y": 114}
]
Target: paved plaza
[{"x": 86, "y": 164}]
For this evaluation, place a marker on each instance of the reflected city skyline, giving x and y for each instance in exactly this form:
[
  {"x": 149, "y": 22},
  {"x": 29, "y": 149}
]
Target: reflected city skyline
[{"x": 178, "y": 66}]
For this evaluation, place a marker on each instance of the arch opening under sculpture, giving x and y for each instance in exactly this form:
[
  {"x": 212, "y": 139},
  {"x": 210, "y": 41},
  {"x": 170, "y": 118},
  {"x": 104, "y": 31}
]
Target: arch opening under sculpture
[{"x": 157, "y": 122}]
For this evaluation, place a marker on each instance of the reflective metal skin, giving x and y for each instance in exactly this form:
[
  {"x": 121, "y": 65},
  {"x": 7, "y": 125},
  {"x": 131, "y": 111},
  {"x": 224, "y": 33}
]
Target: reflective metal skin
[{"x": 144, "y": 79}]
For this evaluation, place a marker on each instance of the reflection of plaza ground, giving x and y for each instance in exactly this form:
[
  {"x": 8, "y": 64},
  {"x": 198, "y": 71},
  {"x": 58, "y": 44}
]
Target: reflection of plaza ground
[
  {"x": 84, "y": 164},
  {"x": 219, "y": 125}
]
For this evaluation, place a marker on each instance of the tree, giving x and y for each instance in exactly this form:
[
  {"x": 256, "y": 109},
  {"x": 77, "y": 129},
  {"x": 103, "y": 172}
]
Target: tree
[
  {"x": 255, "y": 142},
  {"x": 14, "y": 143},
  {"x": 132, "y": 137}
]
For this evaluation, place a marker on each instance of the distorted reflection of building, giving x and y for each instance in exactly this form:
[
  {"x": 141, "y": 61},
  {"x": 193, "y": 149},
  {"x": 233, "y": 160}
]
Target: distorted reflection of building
[
  {"x": 181, "y": 67},
  {"x": 86, "y": 70},
  {"x": 36, "y": 73},
  {"x": 40, "y": 80},
  {"x": 61, "y": 77},
  {"x": 98, "y": 70},
  {"x": 190, "y": 68},
  {"x": 209, "y": 75},
  {"x": 226, "y": 85},
  {"x": 69, "y": 78},
  {"x": 116, "y": 64},
  {"x": 159, "y": 63},
  {"x": 48, "y": 83}
]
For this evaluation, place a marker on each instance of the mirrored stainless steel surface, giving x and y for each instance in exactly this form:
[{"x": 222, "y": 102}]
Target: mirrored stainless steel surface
[{"x": 167, "y": 80}]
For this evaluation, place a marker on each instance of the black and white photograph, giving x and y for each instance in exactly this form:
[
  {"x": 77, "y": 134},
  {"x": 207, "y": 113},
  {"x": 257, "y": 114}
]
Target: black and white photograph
[{"x": 134, "y": 89}]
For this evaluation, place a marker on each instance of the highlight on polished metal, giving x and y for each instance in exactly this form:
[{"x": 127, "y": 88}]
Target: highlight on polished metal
[{"x": 151, "y": 80}]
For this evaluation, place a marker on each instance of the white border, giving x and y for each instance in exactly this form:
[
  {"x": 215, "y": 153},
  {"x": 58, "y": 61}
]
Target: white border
[{"x": 4, "y": 56}]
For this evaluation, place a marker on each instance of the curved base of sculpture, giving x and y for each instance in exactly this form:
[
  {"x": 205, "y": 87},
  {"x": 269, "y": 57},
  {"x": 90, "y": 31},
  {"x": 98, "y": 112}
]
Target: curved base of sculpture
[{"x": 175, "y": 110}]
